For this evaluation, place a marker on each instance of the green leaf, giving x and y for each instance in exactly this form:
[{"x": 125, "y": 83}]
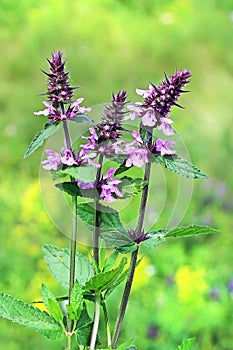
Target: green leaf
[
  {"x": 127, "y": 345},
  {"x": 178, "y": 165},
  {"x": 26, "y": 315},
  {"x": 73, "y": 189},
  {"x": 109, "y": 218},
  {"x": 110, "y": 261},
  {"x": 103, "y": 280},
  {"x": 190, "y": 231},
  {"x": 187, "y": 344},
  {"x": 84, "y": 328},
  {"x": 58, "y": 262},
  {"x": 117, "y": 239},
  {"x": 76, "y": 301},
  {"x": 121, "y": 169},
  {"x": 130, "y": 187},
  {"x": 51, "y": 303},
  {"x": 44, "y": 134},
  {"x": 82, "y": 118},
  {"x": 154, "y": 238}
]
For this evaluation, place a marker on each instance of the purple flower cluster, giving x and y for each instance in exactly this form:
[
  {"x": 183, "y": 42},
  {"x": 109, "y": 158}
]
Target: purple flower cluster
[
  {"x": 156, "y": 106},
  {"x": 60, "y": 93}
]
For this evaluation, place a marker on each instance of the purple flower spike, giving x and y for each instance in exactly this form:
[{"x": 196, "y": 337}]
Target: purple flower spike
[
  {"x": 112, "y": 117},
  {"x": 59, "y": 89}
]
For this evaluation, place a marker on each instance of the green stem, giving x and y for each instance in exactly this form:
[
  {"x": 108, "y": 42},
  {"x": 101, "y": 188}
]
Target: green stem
[
  {"x": 133, "y": 261},
  {"x": 107, "y": 323},
  {"x": 73, "y": 237},
  {"x": 96, "y": 322},
  {"x": 68, "y": 343}
]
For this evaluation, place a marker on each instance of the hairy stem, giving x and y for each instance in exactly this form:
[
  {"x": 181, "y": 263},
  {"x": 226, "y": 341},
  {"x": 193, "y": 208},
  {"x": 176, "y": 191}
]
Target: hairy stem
[
  {"x": 96, "y": 233},
  {"x": 134, "y": 255},
  {"x": 125, "y": 297},
  {"x": 73, "y": 235}
]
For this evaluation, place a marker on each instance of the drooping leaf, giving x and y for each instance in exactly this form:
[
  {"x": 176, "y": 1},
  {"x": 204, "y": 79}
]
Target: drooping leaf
[
  {"x": 190, "y": 231},
  {"x": 58, "y": 262},
  {"x": 103, "y": 280},
  {"x": 187, "y": 344},
  {"x": 26, "y": 315},
  {"x": 82, "y": 118},
  {"x": 51, "y": 303},
  {"x": 109, "y": 218},
  {"x": 44, "y": 134},
  {"x": 178, "y": 165},
  {"x": 154, "y": 238},
  {"x": 76, "y": 301}
]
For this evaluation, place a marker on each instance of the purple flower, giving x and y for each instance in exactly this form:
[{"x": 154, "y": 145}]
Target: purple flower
[
  {"x": 165, "y": 126},
  {"x": 162, "y": 146},
  {"x": 137, "y": 153},
  {"x": 53, "y": 160},
  {"x": 86, "y": 185},
  {"x": 230, "y": 286},
  {"x": 108, "y": 187},
  {"x": 146, "y": 93},
  {"x": 67, "y": 157},
  {"x": 92, "y": 141}
]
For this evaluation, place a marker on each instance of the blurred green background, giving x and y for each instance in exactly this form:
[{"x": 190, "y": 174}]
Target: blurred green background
[{"x": 185, "y": 287}]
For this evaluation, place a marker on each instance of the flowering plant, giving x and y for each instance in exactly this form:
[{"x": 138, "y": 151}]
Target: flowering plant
[{"x": 90, "y": 282}]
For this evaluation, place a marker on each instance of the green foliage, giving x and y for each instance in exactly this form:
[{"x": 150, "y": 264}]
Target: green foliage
[
  {"x": 191, "y": 230},
  {"x": 83, "y": 328},
  {"x": 187, "y": 344},
  {"x": 44, "y": 134},
  {"x": 83, "y": 118},
  {"x": 51, "y": 303},
  {"x": 109, "y": 218},
  {"x": 103, "y": 280},
  {"x": 178, "y": 165},
  {"x": 26, "y": 315},
  {"x": 76, "y": 301},
  {"x": 154, "y": 238},
  {"x": 58, "y": 264},
  {"x": 127, "y": 346}
]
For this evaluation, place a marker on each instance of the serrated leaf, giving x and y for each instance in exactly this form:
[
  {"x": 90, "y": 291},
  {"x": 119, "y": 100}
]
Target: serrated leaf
[
  {"x": 76, "y": 301},
  {"x": 110, "y": 261},
  {"x": 178, "y": 165},
  {"x": 44, "y": 134},
  {"x": 154, "y": 238},
  {"x": 82, "y": 118},
  {"x": 73, "y": 189},
  {"x": 102, "y": 280},
  {"x": 187, "y": 344},
  {"x": 26, "y": 315},
  {"x": 190, "y": 231},
  {"x": 109, "y": 218},
  {"x": 84, "y": 327},
  {"x": 58, "y": 262},
  {"x": 51, "y": 303},
  {"x": 117, "y": 239}
]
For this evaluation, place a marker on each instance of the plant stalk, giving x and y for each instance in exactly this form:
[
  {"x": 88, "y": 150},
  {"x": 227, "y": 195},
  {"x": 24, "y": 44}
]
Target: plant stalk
[
  {"x": 96, "y": 322},
  {"x": 109, "y": 340},
  {"x": 133, "y": 261}
]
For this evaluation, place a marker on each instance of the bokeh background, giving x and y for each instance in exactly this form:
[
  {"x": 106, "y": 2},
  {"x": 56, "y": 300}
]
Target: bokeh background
[{"x": 185, "y": 287}]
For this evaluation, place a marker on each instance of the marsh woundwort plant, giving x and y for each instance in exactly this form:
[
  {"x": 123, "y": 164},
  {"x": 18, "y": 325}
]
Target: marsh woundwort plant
[{"x": 110, "y": 141}]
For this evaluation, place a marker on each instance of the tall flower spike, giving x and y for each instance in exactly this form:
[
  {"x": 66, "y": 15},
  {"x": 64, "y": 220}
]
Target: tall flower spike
[
  {"x": 165, "y": 95},
  {"x": 112, "y": 117},
  {"x": 59, "y": 89}
]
